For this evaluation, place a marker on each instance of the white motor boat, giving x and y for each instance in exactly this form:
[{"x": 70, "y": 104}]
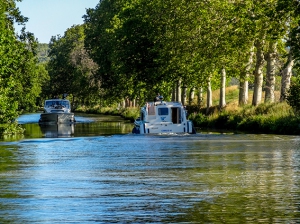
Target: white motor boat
[
  {"x": 57, "y": 111},
  {"x": 163, "y": 117}
]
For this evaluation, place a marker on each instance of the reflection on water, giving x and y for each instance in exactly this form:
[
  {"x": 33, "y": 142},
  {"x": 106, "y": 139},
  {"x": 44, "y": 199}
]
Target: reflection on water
[
  {"x": 86, "y": 125},
  {"x": 202, "y": 178},
  {"x": 57, "y": 130}
]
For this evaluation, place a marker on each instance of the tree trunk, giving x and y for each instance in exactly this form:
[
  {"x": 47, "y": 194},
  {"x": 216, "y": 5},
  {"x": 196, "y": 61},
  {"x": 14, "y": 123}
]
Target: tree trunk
[
  {"x": 222, "y": 102},
  {"x": 209, "y": 96},
  {"x": 178, "y": 91},
  {"x": 200, "y": 96},
  {"x": 124, "y": 103},
  {"x": 258, "y": 73},
  {"x": 174, "y": 92},
  {"x": 192, "y": 95},
  {"x": 286, "y": 77},
  {"x": 270, "y": 79},
  {"x": 243, "y": 91},
  {"x": 183, "y": 96}
]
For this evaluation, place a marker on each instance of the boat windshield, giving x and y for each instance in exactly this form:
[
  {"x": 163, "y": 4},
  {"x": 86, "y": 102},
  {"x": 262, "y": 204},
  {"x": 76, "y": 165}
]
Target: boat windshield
[
  {"x": 163, "y": 111},
  {"x": 54, "y": 103}
]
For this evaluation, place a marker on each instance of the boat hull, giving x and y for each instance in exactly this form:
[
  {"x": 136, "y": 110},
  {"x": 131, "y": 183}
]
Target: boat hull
[
  {"x": 57, "y": 118},
  {"x": 163, "y": 128}
]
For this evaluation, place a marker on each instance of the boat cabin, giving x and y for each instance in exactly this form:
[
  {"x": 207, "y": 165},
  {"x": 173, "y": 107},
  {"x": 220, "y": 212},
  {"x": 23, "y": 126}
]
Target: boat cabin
[
  {"x": 163, "y": 117},
  {"x": 57, "y": 105},
  {"x": 163, "y": 112}
]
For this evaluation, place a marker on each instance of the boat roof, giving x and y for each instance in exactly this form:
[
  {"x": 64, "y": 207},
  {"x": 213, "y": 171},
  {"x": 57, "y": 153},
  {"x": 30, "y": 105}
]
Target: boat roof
[
  {"x": 57, "y": 100},
  {"x": 157, "y": 103}
]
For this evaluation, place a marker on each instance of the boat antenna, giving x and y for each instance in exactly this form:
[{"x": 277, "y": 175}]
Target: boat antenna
[{"x": 161, "y": 98}]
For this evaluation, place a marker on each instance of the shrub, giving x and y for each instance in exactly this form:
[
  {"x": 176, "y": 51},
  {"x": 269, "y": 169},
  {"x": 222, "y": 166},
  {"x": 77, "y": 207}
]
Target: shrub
[{"x": 294, "y": 95}]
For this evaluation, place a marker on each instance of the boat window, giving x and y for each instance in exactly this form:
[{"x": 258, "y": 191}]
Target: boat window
[
  {"x": 57, "y": 102},
  {"x": 163, "y": 111},
  {"x": 65, "y": 104}
]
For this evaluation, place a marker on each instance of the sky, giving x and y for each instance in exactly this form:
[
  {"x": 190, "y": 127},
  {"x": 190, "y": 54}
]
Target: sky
[{"x": 49, "y": 18}]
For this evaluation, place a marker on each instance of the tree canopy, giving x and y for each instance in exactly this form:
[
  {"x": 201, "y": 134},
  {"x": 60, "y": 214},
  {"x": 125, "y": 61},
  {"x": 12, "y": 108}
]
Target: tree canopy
[
  {"x": 70, "y": 68},
  {"x": 20, "y": 75},
  {"x": 143, "y": 46}
]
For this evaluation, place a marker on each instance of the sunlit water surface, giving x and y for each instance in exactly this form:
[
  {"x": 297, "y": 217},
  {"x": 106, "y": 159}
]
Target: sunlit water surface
[{"x": 96, "y": 176}]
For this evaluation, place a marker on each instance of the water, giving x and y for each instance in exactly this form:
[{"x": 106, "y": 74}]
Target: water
[{"x": 96, "y": 176}]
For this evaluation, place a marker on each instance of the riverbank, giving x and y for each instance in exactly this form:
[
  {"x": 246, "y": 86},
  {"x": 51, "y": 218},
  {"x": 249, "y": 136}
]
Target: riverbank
[
  {"x": 129, "y": 113},
  {"x": 270, "y": 118}
]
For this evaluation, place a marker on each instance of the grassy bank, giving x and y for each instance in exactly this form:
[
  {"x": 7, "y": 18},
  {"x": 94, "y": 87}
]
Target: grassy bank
[
  {"x": 127, "y": 113},
  {"x": 269, "y": 118},
  {"x": 275, "y": 118}
]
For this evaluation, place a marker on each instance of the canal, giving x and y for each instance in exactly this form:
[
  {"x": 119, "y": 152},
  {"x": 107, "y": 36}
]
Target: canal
[{"x": 98, "y": 172}]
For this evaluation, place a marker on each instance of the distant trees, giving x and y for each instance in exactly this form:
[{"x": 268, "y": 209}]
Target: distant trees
[
  {"x": 70, "y": 68},
  {"x": 42, "y": 52}
]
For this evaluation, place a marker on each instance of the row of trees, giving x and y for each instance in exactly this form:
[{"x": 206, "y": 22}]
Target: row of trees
[
  {"x": 143, "y": 47},
  {"x": 21, "y": 76},
  {"x": 134, "y": 49}
]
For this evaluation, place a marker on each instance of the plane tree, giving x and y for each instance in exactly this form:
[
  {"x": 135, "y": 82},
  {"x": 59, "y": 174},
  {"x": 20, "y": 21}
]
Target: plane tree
[
  {"x": 145, "y": 46},
  {"x": 100, "y": 44}
]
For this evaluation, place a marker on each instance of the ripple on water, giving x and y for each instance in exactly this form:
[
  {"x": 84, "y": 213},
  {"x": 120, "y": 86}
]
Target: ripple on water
[{"x": 135, "y": 178}]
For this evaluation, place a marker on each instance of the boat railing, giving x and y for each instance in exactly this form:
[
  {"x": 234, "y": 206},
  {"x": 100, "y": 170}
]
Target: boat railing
[{"x": 163, "y": 103}]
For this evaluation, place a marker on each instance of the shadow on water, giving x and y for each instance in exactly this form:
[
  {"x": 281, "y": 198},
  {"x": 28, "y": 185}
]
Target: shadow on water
[{"x": 86, "y": 125}]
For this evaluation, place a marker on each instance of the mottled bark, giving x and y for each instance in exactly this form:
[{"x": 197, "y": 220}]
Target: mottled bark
[
  {"x": 191, "y": 95},
  {"x": 208, "y": 96},
  {"x": 258, "y": 73},
  {"x": 222, "y": 102},
  {"x": 244, "y": 84},
  {"x": 178, "y": 91},
  {"x": 174, "y": 92},
  {"x": 200, "y": 96},
  {"x": 183, "y": 95},
  {"x": 286, "y": 78},
  {"x": 270, "y": 77}
]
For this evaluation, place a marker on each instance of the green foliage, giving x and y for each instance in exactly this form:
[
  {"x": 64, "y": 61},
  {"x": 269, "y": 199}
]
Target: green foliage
[
  {"x": 127, "y": 113},
  {"x": 20, "y": 76},
  {"x": 11, "y": 128},
  {"x": 276, "y": 118},
  {"x": 42, "y": 53},
  {"x": 70, "y": 68},
  {"x": 199, "y": 120},
  {"x": 143, "y": 47},
  {"x": 294, "y": 95}
]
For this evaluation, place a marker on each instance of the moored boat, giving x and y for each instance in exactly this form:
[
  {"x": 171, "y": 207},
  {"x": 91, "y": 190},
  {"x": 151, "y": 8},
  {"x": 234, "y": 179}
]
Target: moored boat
[
  {"x": 57, "y": 111},
  {"x": 163, "y": 117}
]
